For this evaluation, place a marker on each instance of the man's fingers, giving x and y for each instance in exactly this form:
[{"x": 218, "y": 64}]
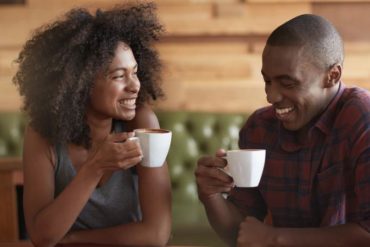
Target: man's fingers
[
  {"x": 211, "y": 161},
  {"x": 214, "y": 173},
  {"x": 220, "y": 153}
]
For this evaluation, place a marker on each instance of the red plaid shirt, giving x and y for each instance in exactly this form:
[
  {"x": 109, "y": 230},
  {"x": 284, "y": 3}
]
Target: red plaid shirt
[{"x": 322, "y": 182}]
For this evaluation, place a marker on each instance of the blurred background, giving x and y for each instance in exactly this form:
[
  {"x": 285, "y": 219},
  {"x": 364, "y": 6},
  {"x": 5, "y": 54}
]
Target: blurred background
[
  {"x": 212, "y": 60},
  {"x": 212, "y": 48}
]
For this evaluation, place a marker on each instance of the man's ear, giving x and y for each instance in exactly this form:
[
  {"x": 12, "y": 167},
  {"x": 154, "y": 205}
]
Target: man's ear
[{"x": 334, "y": 75}]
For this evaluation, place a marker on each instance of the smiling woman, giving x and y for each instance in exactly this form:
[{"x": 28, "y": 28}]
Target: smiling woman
[
  {"x": 84, "y": 78},
  {"x": 116, "y": 90}
]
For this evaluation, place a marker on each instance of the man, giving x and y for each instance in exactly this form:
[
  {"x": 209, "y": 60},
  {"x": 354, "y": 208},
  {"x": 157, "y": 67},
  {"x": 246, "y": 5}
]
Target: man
[{"x": 316, "y": 181}]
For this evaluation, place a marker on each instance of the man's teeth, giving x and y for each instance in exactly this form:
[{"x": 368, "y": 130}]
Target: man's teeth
[
  {"x": 284, "y": 110},
  {"x": 128, "y": 102}
]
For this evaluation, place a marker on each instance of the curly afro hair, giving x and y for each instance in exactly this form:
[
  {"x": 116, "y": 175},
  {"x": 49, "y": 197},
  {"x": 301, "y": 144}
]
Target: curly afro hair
[{"x": 58, "y": 65}]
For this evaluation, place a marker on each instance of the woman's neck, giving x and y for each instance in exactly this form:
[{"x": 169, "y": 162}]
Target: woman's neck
[{"x": 99, "y": 128}]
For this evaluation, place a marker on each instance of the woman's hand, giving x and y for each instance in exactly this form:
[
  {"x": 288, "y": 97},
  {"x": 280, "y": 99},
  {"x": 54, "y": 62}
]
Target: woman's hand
[{"x": 115, "y": 152}]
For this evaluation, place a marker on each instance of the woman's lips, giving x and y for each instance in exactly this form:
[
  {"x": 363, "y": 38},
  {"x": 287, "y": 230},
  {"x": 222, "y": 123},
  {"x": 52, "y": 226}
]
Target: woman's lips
[{"x": 128, "y": 103}]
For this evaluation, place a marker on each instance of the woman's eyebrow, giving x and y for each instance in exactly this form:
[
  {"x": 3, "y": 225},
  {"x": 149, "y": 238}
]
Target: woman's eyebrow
[{"x": 121, "y": 68}]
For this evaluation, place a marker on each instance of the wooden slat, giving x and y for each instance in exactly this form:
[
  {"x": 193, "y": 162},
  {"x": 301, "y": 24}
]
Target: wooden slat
[
  {"x": 7, "y": 58},
  {"x": 350, "y": 18},
  {"x": 252, "y": 19},
  {"x": 308, "y": 1},
  {"x": 224, "y": 96},
  {"x": 8, "y": 208},
  {"x": 203, "y": 48},
  {"x": 9, "y": 97}
]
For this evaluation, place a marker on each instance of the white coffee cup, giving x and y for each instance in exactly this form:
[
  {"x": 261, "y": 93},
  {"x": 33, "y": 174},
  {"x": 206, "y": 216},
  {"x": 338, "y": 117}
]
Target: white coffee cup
[
  {"x": 155, "y": 144},
  {"x": 246, "y": 166}
]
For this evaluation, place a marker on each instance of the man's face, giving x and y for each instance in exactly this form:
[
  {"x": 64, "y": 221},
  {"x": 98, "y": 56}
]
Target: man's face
[{"x": 293, "y": 85}]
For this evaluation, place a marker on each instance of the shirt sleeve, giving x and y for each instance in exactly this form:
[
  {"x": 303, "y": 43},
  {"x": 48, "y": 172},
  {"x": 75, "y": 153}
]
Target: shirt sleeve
[
  {"x": 359, "y": 204},
  {"x": 249, "y": 201},
  {"x": 360, "y": 212}
]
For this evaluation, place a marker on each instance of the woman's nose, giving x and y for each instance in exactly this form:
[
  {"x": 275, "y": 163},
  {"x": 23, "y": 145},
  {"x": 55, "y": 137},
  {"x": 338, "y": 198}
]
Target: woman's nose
[{"x": 133, "y": 84}]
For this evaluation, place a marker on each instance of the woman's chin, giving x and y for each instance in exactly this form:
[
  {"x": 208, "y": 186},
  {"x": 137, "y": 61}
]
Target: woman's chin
[{"x": 127, "y": 116}]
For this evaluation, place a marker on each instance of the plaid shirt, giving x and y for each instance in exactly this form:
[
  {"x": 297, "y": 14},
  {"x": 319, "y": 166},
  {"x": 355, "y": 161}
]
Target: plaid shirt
[{"x": 322, "y": 182}]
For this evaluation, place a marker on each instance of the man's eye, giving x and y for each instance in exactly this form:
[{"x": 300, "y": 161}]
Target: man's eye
[
  {"x": 117, "y": 77},
  {"x": 288, "y": 85}
]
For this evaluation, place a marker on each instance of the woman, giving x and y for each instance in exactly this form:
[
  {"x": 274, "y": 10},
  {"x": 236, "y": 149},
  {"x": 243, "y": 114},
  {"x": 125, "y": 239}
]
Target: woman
[{"x": 87, "y": 82}]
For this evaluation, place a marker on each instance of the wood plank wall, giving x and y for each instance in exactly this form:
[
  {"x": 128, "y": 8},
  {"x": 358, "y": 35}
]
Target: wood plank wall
[{"x": 212, "y": 49}]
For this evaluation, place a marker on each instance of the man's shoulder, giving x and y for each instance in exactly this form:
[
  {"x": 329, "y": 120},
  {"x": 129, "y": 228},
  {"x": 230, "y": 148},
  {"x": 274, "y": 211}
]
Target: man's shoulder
[
  {"x": 356, "y": 96},
  {"x": 353, "y": 109},
  {"x": 261, "y": 118},
  {"x": 264, "y": 114}
]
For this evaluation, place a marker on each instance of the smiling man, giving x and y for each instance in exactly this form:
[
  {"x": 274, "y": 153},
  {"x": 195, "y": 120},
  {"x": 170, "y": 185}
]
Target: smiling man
[{"x": 316, "y": 181}]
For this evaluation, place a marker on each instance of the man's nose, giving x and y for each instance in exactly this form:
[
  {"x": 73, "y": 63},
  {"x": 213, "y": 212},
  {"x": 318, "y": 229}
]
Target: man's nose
[{"x": 273, "y": 94}]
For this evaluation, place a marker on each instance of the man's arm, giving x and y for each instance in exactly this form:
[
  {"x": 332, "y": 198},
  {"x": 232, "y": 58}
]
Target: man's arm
[
  {"x": 253, "y": 232},
  {"x": 224, "y": 218},
  {"x": 350, "y": 234},
  {"x": 211, "y": 182}
]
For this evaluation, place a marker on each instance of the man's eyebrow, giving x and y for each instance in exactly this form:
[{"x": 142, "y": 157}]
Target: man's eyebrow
[
  {"x": 286, "y": 77},
  {"x": 282, "y": 77}
]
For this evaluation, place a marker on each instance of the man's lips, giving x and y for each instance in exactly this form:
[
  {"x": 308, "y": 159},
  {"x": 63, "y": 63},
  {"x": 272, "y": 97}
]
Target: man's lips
[{"x": 282, "y": 113}]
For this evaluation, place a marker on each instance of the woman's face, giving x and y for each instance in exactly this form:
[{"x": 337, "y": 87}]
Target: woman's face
[{"x": 116, "y": 90}]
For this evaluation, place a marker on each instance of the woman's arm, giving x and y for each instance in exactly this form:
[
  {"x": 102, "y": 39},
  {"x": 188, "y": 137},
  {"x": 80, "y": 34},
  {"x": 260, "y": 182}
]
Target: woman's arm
[
  {"x": 48, "y": 219},
  {"x": 155, "y": 202}
]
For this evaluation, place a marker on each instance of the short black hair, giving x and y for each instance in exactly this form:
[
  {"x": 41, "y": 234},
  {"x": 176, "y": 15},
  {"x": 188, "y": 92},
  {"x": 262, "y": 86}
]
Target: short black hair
[
  {"x": 59, "y": 64},
  {"x": 320, "y": 39}
]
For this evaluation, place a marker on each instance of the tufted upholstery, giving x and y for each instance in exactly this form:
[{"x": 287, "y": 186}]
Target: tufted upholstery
[
  {"x": 194, "y": 134},
  {"x": 11, "y": 134}
]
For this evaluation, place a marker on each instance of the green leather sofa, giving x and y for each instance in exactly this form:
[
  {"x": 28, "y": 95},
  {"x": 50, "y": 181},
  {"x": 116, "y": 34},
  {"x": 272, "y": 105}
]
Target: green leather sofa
[{"x": 194, "y": 134}]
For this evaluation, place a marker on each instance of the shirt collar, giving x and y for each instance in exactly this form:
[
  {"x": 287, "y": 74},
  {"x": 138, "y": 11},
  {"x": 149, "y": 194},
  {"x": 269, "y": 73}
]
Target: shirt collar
[
  {"x": 326, "y": 120},
  {"x": 288, "y": 139}
]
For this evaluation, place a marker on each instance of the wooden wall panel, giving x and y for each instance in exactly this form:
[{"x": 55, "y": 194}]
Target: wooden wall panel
[
  {"x": 351, "y": 19},
  {"x": 241, "y": 18},
  {"x": 212, "y": 49}
]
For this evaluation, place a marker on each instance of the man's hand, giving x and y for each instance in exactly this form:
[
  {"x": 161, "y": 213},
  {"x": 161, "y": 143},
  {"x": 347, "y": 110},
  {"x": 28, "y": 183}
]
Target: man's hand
[
  {"x": 210, "y": 177},
  {"x": 253, "y": 233}
]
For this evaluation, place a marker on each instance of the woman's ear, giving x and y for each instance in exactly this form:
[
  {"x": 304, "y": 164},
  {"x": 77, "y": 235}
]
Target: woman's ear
[{"x": 334, "y": 75}]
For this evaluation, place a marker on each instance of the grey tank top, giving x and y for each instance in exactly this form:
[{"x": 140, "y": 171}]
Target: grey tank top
[{"x": 114, "y": 203}]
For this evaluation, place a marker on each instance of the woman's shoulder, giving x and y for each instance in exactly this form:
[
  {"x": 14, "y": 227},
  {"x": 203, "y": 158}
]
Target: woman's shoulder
[
  {"x": 35, "y": 143},
  {"x": 144, "y": 118}
]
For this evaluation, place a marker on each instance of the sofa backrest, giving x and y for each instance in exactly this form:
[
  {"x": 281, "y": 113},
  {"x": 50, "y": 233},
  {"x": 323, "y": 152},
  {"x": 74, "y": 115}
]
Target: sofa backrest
[
  {"x": 195, "y": 134},
  {"x": 12, "y": 126}
]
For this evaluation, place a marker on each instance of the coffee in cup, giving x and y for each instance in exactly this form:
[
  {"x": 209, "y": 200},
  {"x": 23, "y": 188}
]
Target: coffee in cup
[
  {"x": 246, "y": 166},
  {"x": 155, "y": 144}
]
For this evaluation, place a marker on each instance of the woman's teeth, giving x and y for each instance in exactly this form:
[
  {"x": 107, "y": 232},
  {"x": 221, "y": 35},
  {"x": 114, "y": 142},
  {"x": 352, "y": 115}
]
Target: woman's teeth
[{"x": 128, "y": 102}]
